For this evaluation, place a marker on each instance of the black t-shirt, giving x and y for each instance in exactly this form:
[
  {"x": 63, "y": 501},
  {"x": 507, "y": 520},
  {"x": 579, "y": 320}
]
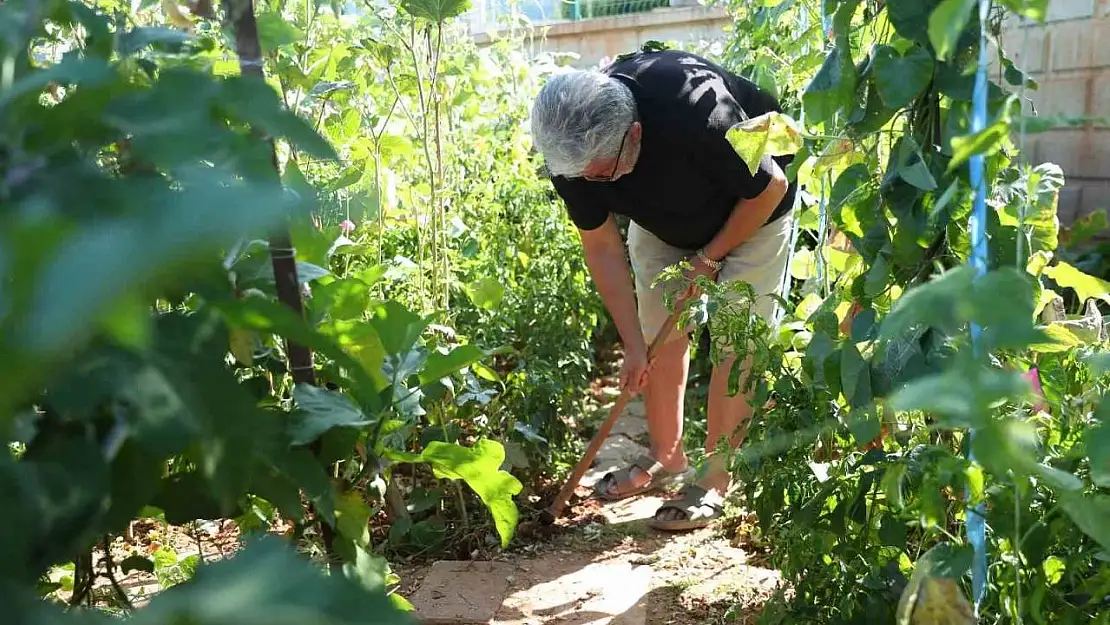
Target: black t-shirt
[{"x": 688, "y": 178}]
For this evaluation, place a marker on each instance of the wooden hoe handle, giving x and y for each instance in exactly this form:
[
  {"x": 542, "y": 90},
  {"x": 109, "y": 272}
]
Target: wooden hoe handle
[{"x": 556, "y": 508}]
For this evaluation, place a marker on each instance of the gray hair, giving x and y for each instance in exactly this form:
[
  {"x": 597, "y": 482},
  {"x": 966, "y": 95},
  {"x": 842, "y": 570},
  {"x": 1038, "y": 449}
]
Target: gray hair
[{"x": 579, "y": 116}]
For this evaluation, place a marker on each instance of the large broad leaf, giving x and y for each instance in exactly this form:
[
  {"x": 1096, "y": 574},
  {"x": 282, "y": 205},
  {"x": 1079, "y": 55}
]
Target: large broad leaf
[
  {"x": 947, "y": 22},
  {"x": 255, "y": 102},
  {"x": 270, "y": 316},
  {"x": 1085, "y": 285},
  {"x": 119, "y": 255},
  {"x": 962, "y": 397},
  {"x": 435, "y": 11},
  {"x": 957, "y": 298},
  {"x": 911, "y": 18},
  {"x": 932, "y": 594},
  {"x": 902, "y": 77},
  {"x": 319, "y": 411},
  {"x": 397, "y": 327},
  {"x": 832, "y": 88},
  {"x": 267, "y": 582},
  {"x": 770, "y": 134},
  {"x": 480, "y": 468},
  {"x": 441, "y": 365},
  {"x": 274, "y": 31},
  {"x": 985, "y": 142},
  {"x": 1089, "y": 514}
]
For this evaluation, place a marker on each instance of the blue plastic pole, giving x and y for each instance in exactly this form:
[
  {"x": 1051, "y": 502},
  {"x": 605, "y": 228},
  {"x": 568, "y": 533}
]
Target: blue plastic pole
[{"x": 977, "y": 226}]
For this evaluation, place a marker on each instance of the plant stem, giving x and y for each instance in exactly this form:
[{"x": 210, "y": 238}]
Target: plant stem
[
  {"x": 240, "y": 13},
  {"x": 110, "y": 573}
]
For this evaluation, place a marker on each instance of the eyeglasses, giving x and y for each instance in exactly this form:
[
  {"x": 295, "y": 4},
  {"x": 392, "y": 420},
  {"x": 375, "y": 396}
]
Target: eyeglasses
[{"x": 616, "y": 163}]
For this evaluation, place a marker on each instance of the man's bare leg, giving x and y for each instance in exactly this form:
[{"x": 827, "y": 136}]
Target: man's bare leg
[
  {"x": 727, "y": 417},
  {"x": 664, "y": 399}
]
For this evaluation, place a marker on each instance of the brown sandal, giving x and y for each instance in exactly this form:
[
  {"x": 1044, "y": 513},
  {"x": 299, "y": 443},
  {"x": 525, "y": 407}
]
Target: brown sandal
[
  {"x": 700, "y": 506},
  {"x": 658, "y": 477}
]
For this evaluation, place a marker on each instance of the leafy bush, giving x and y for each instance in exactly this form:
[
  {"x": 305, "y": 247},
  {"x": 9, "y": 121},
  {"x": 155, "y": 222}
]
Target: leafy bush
[{"x": 859, "y": 461}]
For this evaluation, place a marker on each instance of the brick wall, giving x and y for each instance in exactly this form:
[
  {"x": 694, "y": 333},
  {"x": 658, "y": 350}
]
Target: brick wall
[
  {"x": 1069, "y": 57},
  {"x": 595, "y": 39}
]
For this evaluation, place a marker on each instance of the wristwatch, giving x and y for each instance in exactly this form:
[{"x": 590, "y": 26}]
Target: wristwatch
[{"x": 715, "y": 265}]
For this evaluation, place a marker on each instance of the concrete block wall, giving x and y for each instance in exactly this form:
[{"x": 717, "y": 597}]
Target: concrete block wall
[{"x": 1069, "y": 57}]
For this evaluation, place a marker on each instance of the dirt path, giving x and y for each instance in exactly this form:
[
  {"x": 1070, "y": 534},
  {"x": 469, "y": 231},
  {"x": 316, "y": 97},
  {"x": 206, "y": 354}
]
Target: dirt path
[
  {"x": 599, "y": 565},
  {"x": 602, "y": 565}
]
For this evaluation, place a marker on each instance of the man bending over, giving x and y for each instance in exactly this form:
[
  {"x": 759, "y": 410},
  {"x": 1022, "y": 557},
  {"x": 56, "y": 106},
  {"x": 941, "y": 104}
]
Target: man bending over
[{"x": 645, "y": 138}]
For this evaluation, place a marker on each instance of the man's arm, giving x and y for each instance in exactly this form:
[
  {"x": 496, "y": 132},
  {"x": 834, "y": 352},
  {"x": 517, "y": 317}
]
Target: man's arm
[
  {"x": 749, "y": 215},
  {"x": 604, "y": 251}
]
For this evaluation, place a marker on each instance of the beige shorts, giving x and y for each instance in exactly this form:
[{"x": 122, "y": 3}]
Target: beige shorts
[{"x": 760, "y": 261}]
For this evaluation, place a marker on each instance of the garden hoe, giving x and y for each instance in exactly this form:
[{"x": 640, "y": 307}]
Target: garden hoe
[{"x": 548, "y": 516}]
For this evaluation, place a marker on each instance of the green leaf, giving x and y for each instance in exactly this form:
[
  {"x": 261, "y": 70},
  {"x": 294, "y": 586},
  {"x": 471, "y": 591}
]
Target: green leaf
[
  {"x": 1030, "y": 9},
  {"x": 893, "y": 478},
  {"x": 397, "y": 327},
  {"x": 1084, "y": 229},
  {"x": 442, "y": 365},
  {"x": 321, "y": 410},
  {"x": 1002, "y": 446},
  {"x": 265, "y": 315},
  {"x": 480, "y": 467},
  {"x": 947, "y": 22},
  {"x": 855, "y": 376},
  {"x": 254, "y": 101},
  {"x": 911, "y": 18},
  {"x": 985, "y": 142},
  {"x": 962, "y": 398},
  {"x": 1097, "y": 440},
  {"x": 1053, "y": 568},
  {"x": 71, "y": 70},
  {"x": 486, "y": 293},
  {"x": 1089, "y": 514},
  {"x": 902, "y": 77},
  {"x": 917, "y": 173},
  {"x": 1037, "y": 195},
  {"x": 122, "y": 254},
  {"x": 1085, "y": 285},
  {"x": 267, "y": 582},
  {"x": 142, "y": 37},
  {"x": 274, "y": 31},
  {"x": 864, "y": 424},
  {"x": 435, "y": 11},
  {"x": 832, "y": 88},
  {"x": 352, "y": 517},
  {"x": 948, "y": 560},
  {"x": 852, "y": 187},
  {"x": 770, "y": 134}
]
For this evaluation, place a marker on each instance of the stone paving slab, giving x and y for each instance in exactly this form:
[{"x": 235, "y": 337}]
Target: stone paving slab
[
  {"x": 572, "y": 590},
  {"x": 632, "y": 422},
  {"x": 462, "y": 593},
  {"x": 631, "y": 510}
]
